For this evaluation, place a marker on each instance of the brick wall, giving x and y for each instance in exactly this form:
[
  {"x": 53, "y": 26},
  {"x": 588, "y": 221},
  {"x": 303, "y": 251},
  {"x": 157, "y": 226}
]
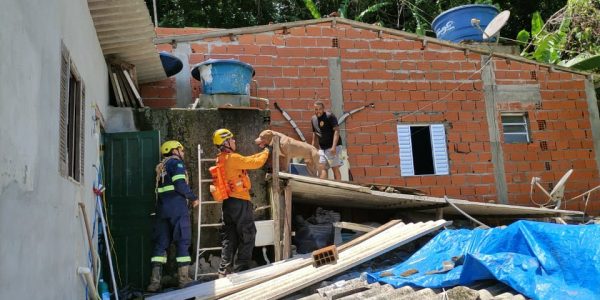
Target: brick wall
[
  {"x": 415, "y": 83},
  {"x": 560, "y": 131}
]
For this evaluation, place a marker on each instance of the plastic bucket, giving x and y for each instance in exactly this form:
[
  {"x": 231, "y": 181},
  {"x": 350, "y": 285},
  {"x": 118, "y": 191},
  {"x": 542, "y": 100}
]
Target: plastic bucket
[
  {"x": 454, "y": 25},
  {"x": 224, "y": 76}
]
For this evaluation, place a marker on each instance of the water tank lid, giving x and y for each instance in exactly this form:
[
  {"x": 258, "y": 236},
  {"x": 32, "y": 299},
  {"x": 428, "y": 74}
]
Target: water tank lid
[
  {"x": 196, "y": 71},
  {"x": 463, "y": 7}
]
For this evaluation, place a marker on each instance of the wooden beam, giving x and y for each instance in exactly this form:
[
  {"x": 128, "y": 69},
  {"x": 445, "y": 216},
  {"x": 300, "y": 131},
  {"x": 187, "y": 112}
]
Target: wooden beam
[
  {"x": 287, "y": 223},
  {"x": 353, "y": 226},
  {"x": 394, "y": 237},
  {"x": 276, "y": 201},
  {"x": 236, "y": 282},
  {"x": 439, "y": 213}
]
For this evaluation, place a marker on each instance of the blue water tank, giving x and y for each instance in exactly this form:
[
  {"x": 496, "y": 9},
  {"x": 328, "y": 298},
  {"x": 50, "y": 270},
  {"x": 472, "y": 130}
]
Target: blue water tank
[
  {"x": 224, "y": 76},
  {"x": 455, "y": 24}
]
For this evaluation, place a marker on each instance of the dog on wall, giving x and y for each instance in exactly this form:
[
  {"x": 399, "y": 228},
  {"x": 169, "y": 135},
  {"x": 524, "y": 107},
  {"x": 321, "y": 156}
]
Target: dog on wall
[{"x": 290, "y": 148}]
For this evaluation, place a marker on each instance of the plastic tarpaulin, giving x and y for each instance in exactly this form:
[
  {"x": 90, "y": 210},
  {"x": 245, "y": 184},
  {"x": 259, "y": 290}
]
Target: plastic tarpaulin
[{"x": 539, "y": 260}]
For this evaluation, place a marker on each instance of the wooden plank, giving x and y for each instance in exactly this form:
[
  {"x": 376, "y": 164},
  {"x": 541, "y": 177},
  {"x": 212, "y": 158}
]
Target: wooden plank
[
  {"x": 133, "y": 88},
  {"x": 127, "y": 94},
  {"x": 353, "y": 226},
  {"x": 368, "y": 235},
  {"x": 275, "y": 201},
  {"x": 287, "y": 224},
  {"x": 239, "y": 281},
  {"x": 116, "y": 88},
  {"x": 284, "y": 285}
]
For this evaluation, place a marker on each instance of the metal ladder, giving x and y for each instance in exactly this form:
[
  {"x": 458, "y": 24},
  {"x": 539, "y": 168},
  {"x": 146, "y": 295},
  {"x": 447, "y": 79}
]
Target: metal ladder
[{"x": 201, "y": 181}]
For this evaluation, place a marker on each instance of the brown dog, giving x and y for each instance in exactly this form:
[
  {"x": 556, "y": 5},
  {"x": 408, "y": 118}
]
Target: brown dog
[{"x": 290, "y": 148}]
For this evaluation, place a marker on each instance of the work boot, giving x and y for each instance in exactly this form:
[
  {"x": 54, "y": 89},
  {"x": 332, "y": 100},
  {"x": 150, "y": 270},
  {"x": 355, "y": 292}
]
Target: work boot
[
  {"x": 154, "y": 285},
  {"x": 184, "y": 276}
]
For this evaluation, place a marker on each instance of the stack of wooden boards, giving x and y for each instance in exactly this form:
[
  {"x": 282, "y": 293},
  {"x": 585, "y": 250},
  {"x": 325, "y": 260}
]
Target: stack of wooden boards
[
  {"x": 285, "y": 277},
  {"x": 124, "y": 87}
]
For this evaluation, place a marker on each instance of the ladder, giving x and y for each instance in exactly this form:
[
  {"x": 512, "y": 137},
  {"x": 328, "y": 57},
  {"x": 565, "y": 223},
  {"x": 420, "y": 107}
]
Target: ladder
[{"x": 201, "y": 181}]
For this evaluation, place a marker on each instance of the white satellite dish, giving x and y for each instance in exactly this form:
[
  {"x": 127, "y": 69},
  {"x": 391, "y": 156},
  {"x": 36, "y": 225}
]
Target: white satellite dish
[{"x": 496, "y": 24}]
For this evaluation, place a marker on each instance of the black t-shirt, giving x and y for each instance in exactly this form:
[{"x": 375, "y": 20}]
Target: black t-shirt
[{"x": 323, "y": 127}]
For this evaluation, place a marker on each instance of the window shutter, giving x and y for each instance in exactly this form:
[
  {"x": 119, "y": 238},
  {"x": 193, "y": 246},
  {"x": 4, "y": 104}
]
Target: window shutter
[
  {"x": 438, "y": 147},
  {"x": 82, "y": 134},
  {"x": 405, "y": 146},
  {"x": 64, "y": 100}
]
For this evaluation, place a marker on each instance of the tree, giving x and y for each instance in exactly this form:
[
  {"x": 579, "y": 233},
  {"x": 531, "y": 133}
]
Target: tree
[{"x": 408, "y": 15}]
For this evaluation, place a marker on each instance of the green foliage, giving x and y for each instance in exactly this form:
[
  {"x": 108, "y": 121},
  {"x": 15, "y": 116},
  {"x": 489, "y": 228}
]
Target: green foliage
[
  {"x": 536, "y": 23},
  {"x": 343, "y": 10},
  {"x": 573, "y": 41},
  {"x": 310, "y": 5},
  {"x": 409, "y": 15},
  {"x": 523, "y": 37},
  {"x": 371, "y": 9}
]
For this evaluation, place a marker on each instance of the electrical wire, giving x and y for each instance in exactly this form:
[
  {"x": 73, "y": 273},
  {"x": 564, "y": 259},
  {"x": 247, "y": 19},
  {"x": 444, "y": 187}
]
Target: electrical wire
[{"x": 397, "y": 119}]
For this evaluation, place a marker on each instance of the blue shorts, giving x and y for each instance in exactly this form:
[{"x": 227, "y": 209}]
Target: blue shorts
[{"x": 331, "y": 160}]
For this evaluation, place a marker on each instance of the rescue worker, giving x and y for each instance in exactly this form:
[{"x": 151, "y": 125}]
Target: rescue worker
[
  {"x": 238, "y": 232},
  {"x": 172, "y": 222}
]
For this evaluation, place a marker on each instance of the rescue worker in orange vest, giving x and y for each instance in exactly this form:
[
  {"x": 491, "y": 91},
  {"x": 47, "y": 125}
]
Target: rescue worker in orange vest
[
  {"x": 172, "y": 222},
  {"x": 238, "y": 232}
]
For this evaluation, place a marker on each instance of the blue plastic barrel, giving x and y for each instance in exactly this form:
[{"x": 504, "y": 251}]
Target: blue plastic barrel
[
  {"x": 224, "y": 76},
  {"x": 455, "y": 24}
]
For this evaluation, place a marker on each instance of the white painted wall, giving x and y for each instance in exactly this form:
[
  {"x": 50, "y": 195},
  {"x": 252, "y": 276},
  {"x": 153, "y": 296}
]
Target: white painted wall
[{"x": 42, "y": 236}]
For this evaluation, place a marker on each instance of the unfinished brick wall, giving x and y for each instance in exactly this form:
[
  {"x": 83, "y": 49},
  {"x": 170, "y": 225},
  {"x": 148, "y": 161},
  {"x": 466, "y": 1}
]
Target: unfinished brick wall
[
  {"x": 415, "y": 83},
  {"x": 561, "y": 137}
]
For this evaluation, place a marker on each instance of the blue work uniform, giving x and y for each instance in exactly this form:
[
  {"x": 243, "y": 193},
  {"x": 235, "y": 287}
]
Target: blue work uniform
[{"x": 173, "y": 218}]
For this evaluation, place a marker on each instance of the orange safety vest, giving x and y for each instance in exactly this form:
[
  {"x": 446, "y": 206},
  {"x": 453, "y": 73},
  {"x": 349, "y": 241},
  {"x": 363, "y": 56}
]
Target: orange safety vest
[
  {"x": 231, "y": 176},
  {"x": 220, "y": 189}
]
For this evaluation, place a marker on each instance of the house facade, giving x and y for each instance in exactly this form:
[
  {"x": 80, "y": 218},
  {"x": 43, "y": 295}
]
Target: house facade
[
  {"x": 448, "y": 119},
  {"x": 54, "y": 96}
]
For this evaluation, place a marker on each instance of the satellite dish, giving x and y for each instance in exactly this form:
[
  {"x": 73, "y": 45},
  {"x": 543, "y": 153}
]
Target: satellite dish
[{"x": 496, "y": 24}]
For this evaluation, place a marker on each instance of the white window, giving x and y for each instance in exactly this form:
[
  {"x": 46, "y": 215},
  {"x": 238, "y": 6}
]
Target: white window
[
  {"x": 423, "y": 150},
  {"x": 515, "y": 127},
  {"x": 72, "y": 112}
]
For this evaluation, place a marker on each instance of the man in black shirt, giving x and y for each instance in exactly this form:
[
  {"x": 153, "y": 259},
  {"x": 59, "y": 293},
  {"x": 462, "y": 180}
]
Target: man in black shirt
[{"x": 326, "y": 132}]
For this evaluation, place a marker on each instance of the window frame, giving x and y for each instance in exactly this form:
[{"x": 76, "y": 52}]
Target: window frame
[
  {"x": 525, "y": 125},
  {"x": 445, "y": 160},
  {"x": 72, "y": 120}
]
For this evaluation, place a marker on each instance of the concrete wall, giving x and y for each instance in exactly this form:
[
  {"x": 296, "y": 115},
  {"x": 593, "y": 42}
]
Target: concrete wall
[
  {"x": 42, "y": 233},
  {"x": 415, "y": 83}
]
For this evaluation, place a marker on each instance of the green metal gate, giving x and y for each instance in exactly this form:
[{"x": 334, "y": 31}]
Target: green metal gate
[{"x": 130, "y": 159}]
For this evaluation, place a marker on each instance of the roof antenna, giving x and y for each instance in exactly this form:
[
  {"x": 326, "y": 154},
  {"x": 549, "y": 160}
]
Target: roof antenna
[{"x": 492, "y": 30}]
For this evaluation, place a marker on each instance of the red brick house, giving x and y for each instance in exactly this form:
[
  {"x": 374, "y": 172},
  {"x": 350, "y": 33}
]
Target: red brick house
[{"x": 447, "y": 119}]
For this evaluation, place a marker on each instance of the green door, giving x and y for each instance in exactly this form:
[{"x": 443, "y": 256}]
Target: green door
[{"x": 130, "y": 159}]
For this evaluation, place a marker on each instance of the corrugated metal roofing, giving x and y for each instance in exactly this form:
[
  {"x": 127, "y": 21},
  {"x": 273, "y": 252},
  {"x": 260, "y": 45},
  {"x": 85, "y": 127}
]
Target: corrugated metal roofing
[
  {"x": 126, "y": 32},
  {"x": 359, "y": 289},
  {"x": 333, "y": 193}
]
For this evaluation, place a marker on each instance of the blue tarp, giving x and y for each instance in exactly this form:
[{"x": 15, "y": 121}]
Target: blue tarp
[{"x": 539, "y": 260}]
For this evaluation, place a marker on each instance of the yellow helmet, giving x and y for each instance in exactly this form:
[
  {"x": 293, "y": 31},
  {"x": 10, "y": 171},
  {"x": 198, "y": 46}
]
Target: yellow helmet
[
  {"x": 221, "y": 135},
  {"x": 167, "y": 146}
]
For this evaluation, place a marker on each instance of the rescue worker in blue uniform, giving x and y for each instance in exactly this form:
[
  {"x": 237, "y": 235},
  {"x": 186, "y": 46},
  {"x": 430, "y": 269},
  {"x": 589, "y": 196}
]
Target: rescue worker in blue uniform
[{"x": 173, "y": 218}]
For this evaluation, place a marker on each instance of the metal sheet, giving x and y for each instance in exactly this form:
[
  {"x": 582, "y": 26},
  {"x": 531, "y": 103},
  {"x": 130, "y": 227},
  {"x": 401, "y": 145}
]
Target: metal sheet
[
  {"x": 120, "y": 18},
  {"x": 332, "y": 193}
]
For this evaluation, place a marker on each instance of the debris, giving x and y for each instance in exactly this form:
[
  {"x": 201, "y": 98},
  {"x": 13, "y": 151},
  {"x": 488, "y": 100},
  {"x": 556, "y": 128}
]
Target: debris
[
  {"x": 465, "y": 214},
  {"x": 535, "y": 258},
  {"x": 406, "y": 273},
  {"x": 396, "y": 236},
  {"x": 324, "y": 256}
]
